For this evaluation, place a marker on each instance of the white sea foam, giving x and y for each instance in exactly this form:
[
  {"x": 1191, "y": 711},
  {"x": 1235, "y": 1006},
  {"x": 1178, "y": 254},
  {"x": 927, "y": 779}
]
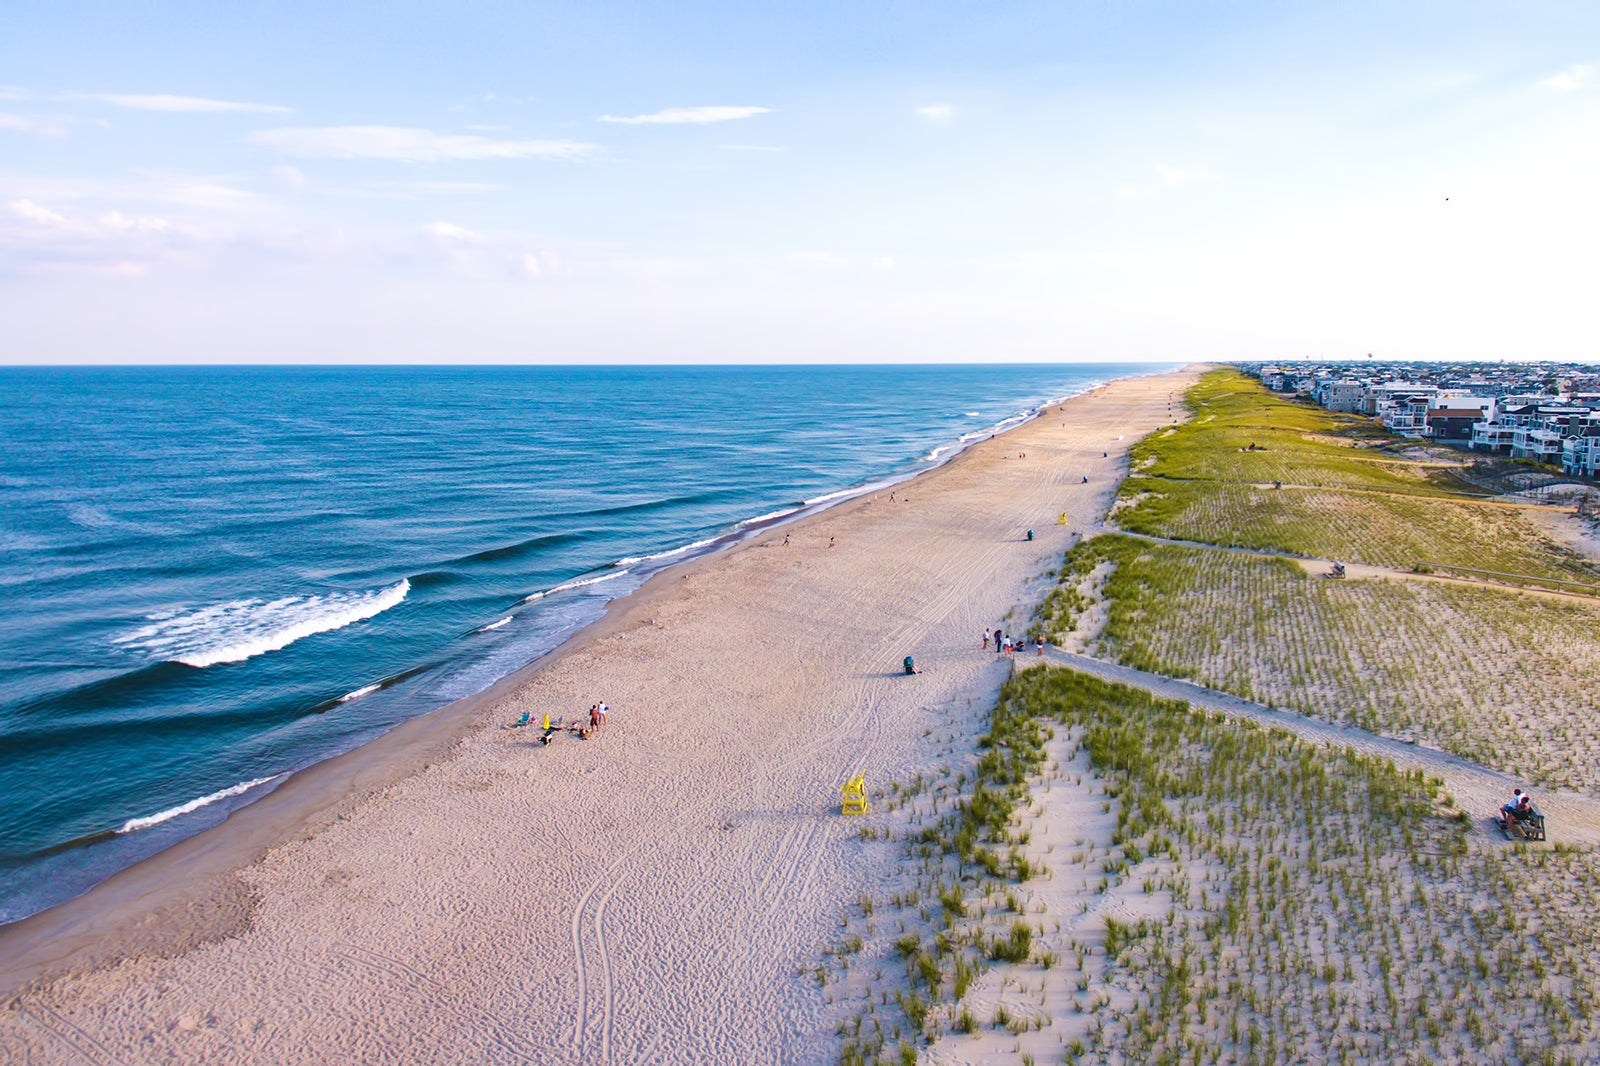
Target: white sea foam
[
  {"x": 364, "y": 690},
  {"x": 970, "y": 414},
  {"x": 570, "y": 585},
  {"x": 635, "y": 560},
  {"x": 135, "y": 824},
  {"x": 493, "y": 625},
  {"x": 242, "y": 629},
  {"x": 830, "y": 497},
  {"x": 770, "y": 516}
]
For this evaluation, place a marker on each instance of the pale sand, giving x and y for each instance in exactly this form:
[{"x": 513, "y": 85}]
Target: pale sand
[{"x": 651, "y": 895}]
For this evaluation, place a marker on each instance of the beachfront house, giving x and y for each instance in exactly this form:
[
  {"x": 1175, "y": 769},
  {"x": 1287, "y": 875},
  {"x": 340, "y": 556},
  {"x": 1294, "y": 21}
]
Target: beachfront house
[
  {"x": 1405, "y": 414},
  {"x": 1449, "y": 419},
  {"x": 1580, "y": 453},
  {"x": 1496, "y": 433},
  {"x": 1340, "y": 394}
]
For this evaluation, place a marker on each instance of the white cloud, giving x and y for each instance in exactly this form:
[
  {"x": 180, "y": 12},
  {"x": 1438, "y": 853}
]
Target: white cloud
[
  {"x": 449, "y": 231},
  {"x": 408, "y": 145},
  {"x": 749, "y": 148},
  {"x": 109, "y": 244},
  {"x": 936, "y": 112},
  {"x": 211, "y": 195},
  {"x": 48, "y": 128},
  {"x": 409, "y": 190},
  {"x": 687, "y": 116},
  {"x": 540, "y": 266},
  {"x": 169, "y": 102},
  {"x": 1177, "y": 179},
  {"x": 34, "y": 213},
  {"x": 116, "y": 221},
  {"x": 289, "y": 177},
  {"x": 1569, "y": 79}
]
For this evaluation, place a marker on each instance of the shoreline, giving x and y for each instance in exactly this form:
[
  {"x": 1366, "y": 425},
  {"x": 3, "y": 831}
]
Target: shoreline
[
  {"x": 324, "y": 796},
  {"x": 199, "y": 886}
]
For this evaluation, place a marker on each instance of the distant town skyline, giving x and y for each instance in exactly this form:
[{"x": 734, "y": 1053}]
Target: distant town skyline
[{"x": 1036, "y": 182}]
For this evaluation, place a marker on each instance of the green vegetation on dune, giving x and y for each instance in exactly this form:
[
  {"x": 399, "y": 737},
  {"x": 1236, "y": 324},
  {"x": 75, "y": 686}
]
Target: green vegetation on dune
[
  {"x": 1300, "y": 903},
  {"x": 1239, "y": 431},
  {"x": 1325, "y": 905},
  {"x": 1485, "y": 673},
  {"x": 1343, "y": 497}
]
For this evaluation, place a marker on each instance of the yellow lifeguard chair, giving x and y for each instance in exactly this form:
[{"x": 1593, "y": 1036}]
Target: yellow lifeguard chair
[{"x": 855, "y": 796}]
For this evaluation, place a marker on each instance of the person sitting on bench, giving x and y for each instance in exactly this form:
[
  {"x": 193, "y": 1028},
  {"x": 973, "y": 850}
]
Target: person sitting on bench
[{"x": 1518, "y": 812}]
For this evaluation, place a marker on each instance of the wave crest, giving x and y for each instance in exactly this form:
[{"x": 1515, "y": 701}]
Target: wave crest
[
  {"x": 133, "y": 825},
  {"x": 242, "y": 629}
]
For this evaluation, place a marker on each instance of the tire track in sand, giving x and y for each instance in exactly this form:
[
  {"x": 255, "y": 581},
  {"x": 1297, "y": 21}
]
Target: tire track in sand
[
  {"x": 67, "y": 1033},
  {"x": 495, "y": 1029}
]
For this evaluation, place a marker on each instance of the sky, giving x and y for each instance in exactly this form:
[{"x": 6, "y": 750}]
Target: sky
[{"x": 821, "y": 182}]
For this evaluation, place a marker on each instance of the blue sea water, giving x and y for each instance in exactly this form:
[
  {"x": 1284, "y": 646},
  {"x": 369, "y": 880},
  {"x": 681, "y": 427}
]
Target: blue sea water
[{"x": 213, "y": 577}]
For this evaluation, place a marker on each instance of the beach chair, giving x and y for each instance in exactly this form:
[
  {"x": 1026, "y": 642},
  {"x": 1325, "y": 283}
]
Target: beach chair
[
  {"x": 520, "y": 722},
  {"x": 855, "y": 796}
]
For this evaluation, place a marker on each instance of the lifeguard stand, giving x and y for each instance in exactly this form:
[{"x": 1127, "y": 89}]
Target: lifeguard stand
[{"x": 855, "y": 796}]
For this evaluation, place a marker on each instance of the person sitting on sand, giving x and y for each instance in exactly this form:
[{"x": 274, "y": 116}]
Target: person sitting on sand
[{"x": 911, "y": 666}]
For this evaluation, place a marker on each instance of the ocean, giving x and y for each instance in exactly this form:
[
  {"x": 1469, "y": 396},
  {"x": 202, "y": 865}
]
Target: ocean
[{"x": 214, "y": 577}]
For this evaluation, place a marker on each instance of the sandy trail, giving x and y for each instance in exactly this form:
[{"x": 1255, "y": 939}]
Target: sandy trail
[
  {"x": 1572, "y": 818},
  {"x": 651, "y": 895}
]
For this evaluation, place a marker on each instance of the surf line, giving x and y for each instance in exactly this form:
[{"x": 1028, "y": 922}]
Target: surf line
[{"x": 133, "y": 825}]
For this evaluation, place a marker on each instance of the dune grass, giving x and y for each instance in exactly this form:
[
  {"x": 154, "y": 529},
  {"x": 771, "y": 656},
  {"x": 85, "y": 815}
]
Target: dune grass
[
  {"x": 1308, "y": 904},
  {"x": 1321, "y": 905},
  {"x": 1500, "y": 678},
  {"x": 1347, "y": 492}
]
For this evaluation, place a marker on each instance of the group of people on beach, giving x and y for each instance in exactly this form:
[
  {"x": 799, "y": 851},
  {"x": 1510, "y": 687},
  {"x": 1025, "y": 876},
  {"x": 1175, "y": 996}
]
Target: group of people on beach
[
  {"x": 548, "y": 729},
  {"x": 1005, "y": 645}
]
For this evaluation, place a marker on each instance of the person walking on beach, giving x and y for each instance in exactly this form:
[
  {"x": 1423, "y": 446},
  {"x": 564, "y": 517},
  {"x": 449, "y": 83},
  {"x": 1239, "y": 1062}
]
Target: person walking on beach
[
  {"x": 830, "y": 542},
  {"x": 1039, "y": 645},
  {"x": 601, "y": 711},
  {"x": 985, "y": 645},
  {"x": 997, "y": 642},
  {"x": 1008, "y": 645},
  {"x": 594, "y": 716}
]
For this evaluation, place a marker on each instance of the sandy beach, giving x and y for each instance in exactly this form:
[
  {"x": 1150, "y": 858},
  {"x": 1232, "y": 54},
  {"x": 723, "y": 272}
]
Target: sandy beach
[{"x": 460, "y": 892}]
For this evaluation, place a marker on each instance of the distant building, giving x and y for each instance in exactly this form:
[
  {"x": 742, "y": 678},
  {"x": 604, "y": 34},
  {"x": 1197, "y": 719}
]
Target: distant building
[
  {"x": 1340, "y": 394},
  {"x": 1406, "y": 415},
  {"x": 1580, "y": 453},
  {"x": 1450, "y": 418}
]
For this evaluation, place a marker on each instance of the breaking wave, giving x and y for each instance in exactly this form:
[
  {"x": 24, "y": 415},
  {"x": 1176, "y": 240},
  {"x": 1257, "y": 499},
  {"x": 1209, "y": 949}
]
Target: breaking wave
[
  {"x": 133, "y": 825},
  {"x": 242, "y": 629}
]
